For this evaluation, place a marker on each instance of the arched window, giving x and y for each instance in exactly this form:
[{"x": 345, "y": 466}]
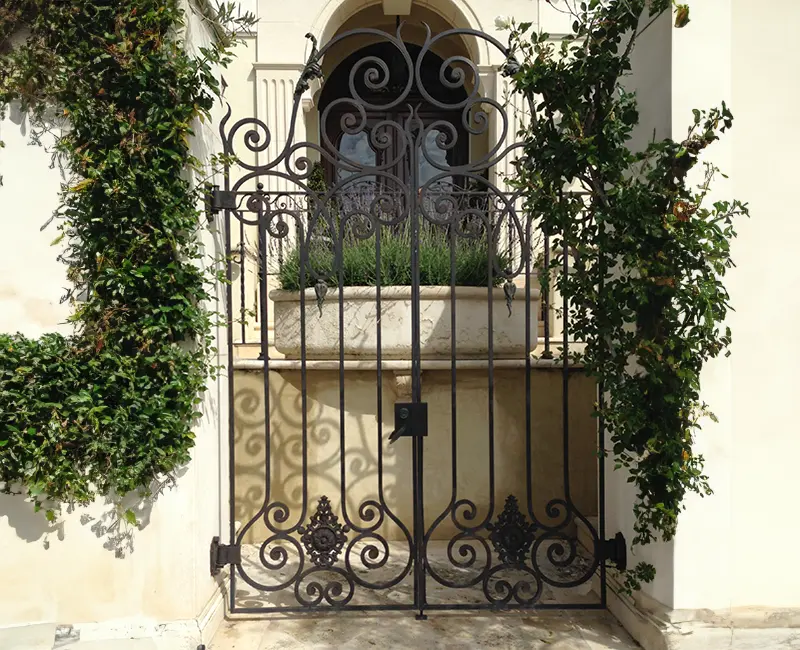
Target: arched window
[{"x": 359, "y": 147}]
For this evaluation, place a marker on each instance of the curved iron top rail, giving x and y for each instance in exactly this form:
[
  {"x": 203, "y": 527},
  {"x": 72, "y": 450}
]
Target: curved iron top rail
[{"x": 375, "y": 74}]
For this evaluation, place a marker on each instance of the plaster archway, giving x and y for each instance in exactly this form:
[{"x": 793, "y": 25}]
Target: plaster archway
[{"x": 458, "y": 13}]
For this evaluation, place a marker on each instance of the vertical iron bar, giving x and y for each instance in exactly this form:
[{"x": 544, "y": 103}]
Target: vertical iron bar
[
  {"x": 303, "y": 250},
  {"x": 601, "y": 429},
  {"x": 242, "y": 274},
  {"x": 231, "y": 387},
  {"x": 490, "y": 244},
  {"x": 416, "y": 372},
  {"x": 548, "y": 353},
  {"x": 339, "y": 262},
  {"x": 565, "y": 368},
  {"x": 264, "y": 315},
  {"x": 379, "y": 355},
  {"x": 601, "y": 514},
  {"x": 527, "y": 250},
  {"x": 453, "y": 365}
]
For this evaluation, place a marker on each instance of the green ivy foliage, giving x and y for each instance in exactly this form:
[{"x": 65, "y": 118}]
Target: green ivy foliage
[
  {"x": 112, "y": 407},
  {"x": 650, "y": 249}
]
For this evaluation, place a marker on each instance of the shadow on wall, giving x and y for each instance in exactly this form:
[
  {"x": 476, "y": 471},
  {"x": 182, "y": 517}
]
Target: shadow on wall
[
  {"x": 105, "y": 518},
  {"x": 371, "y": 470},
  {"x": 54, "y": 124}
]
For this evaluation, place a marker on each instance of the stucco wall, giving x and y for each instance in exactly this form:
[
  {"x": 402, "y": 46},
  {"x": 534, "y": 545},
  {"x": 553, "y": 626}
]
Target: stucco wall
[
  {"x": 282, "y": 28},
  {"x": 721, "y": 557},
  {"x": 78, "y": 571},
  {"x": 758, "y": 379},
  {"x": 32, "y": 280},
  {"x": 764, "y": 289}
]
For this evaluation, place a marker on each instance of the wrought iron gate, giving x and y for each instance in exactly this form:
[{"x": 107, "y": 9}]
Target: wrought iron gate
[{"x": 394, "y": 177}]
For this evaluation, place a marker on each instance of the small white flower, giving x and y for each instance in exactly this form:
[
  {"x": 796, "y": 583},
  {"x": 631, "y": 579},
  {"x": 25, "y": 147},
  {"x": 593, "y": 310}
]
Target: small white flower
[{"x": 502, "y": 22}]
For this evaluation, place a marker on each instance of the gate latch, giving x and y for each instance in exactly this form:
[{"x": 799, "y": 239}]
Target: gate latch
[
  {"x": 410, "y": 420},
  {"x": 222, "y": 555}
]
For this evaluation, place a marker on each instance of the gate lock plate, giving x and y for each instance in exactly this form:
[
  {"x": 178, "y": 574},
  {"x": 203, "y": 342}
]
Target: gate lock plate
[{"x": 410, "y": 420}]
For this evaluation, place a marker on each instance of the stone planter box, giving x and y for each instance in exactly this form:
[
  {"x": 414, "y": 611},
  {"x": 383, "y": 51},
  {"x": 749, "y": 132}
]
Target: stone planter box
[{"x": 360, "y": 323}]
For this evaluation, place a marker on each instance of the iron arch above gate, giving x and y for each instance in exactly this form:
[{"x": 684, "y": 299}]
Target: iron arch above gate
[{"x": 448, "y": 287}]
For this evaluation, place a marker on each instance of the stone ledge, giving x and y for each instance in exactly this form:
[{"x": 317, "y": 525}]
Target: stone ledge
[
  {"x": 40, "y": 636},
  {"x": 657, "y": 627},
  {"x": 136, "y": 634}
]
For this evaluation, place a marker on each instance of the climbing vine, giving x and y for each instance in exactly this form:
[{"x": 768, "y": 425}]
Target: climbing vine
[
  {"x": 649, "y": 248},
  {"x": 111, "y": 407}
]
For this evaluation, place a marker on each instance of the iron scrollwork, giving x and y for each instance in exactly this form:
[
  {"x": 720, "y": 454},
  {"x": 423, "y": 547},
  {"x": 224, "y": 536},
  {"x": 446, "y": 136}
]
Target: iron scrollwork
[{"x": 324, "y": 561}]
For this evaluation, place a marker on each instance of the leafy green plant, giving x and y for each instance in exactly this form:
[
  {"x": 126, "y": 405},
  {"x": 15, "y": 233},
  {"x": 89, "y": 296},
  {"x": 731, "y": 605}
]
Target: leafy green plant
[
  {"x": 359, "y": 266},
  {"x": 111, "y": 408},
  {"x": 650, "y": 249}
]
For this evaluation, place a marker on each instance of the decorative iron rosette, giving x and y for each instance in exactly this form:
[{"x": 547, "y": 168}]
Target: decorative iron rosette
[
  {"x": 512, "y": 535},
  {"x": 324, "y": 537}
]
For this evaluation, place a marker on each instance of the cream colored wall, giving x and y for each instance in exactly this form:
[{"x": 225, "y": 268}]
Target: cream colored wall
[
  {"x": 721, "y": 558},
  {"x": 362, "y": 436},
  {"x": 283, "y": 27},
  {"x": 73, "y": 572},
  {"x": 32, "y": 280},
  {"x": 763, "y": 389},
  {"x": 717, "y": 561},
  {"x": 703, "y": 572}
]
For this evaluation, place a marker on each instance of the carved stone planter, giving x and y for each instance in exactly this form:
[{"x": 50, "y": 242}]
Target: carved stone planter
[{"x": 360, "y": 317}]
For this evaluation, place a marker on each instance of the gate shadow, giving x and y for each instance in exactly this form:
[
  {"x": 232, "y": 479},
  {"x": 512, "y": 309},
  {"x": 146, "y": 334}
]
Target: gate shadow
[{"x": 365, "y": 436}]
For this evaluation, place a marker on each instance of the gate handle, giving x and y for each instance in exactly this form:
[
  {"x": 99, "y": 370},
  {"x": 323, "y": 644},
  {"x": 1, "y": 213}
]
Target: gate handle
[
  {"x": 401, "y": 417},
  {"x": 395, "y": 435}
]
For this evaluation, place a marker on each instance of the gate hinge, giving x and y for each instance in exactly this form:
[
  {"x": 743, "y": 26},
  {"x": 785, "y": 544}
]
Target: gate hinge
[
  {"x": 222, "y": 555},
  {"x": 217, "y": 199},
  {"x": 615, "y": 551}
]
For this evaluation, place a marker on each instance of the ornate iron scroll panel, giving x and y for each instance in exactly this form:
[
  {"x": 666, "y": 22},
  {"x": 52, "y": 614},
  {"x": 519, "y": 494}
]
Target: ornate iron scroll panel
[{"x": 314, "y": 550}]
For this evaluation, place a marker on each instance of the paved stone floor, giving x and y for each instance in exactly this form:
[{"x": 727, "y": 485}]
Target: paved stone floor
[
  {"x": 545, "y": 631},
  {"x": 553, "y": 630}
]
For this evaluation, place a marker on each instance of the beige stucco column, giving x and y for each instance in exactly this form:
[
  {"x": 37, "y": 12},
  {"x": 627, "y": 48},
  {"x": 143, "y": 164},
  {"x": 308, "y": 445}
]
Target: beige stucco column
[
  {"x": 275, "y": 85},
  {"x": 275, "y": 90}
]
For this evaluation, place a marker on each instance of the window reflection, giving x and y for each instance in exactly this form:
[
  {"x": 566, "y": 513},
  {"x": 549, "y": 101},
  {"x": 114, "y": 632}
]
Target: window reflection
[
  {"x": 432, "y": 158},
  {"x": 438, "y": 156},
  {"x": 355, "y": 148},
  {"x": 357, "y": 195}
]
